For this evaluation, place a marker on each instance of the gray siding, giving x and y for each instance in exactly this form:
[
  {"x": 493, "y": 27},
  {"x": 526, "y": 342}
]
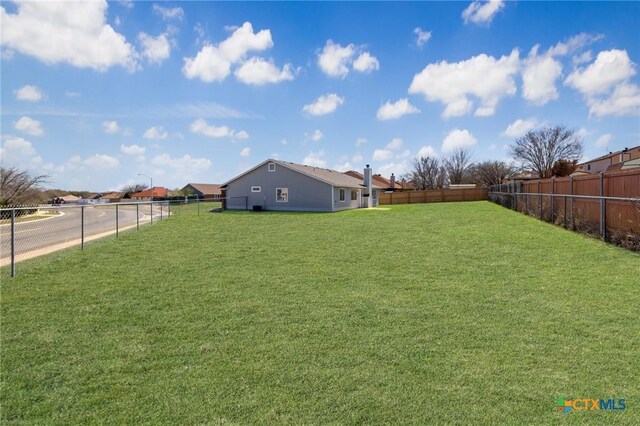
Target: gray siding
[
  {"x": 305, "y": 193},
  {"x": 347, "y": 203}
]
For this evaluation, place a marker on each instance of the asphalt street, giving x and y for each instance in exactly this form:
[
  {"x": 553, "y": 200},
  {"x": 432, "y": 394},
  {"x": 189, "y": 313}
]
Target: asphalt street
[{"x": 39, "y": 235}]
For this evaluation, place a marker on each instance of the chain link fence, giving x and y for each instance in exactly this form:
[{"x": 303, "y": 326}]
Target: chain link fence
[
  {"x": 27, "y": 232},
  {"x": 613, "y": 219}
]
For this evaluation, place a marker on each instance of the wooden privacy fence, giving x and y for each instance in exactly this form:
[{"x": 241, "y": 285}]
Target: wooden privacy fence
[
  {"x": 433, "y": 196},
  {"x": 605, "y": 204}
]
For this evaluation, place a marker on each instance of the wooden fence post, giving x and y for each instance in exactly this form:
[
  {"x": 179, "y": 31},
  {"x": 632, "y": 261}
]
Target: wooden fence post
[
  {"x": 573, "y": 223},
  {"x": 603, "y": 209}
]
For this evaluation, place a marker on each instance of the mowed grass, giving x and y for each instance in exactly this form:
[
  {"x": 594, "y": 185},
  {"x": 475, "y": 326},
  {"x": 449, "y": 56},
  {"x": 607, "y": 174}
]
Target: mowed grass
[{"x": 440, "y": 313}]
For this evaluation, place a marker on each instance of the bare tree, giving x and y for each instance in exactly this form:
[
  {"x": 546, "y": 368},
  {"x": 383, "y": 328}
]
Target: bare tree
[
  {"x": 539, "y": 149},
  {"x": 490, "y": 173},
  {"x": 457, "y": 165},
  {"x": 428, "y": 173},
  {"x": 133, "y": 188},
  {"x": 19, "y": 186}
]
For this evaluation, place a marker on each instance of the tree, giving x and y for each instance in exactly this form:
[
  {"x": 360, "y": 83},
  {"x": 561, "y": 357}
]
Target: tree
[
  {"x": 19, "y": 186},
  {"x": 539, "y": 149},
  {"x": 133, "y": 188},
  {"x": 490, "y": 173},
  {"x": 428, "y": 173},
  {"x": 562, "y": 168},
  {"x": 458, "y": 165}
]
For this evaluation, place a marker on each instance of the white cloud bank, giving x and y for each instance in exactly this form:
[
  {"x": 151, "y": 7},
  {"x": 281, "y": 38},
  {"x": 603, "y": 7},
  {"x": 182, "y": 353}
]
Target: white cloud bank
[
  {"x": 458, "y": 139},
  {"x": 335, "y": 60},
  {"x": 392, "y": 111},
  {"x": 55, "y": 32},
  {"x": 325, "y": 104},
  {"x": 485, "y": 77}
]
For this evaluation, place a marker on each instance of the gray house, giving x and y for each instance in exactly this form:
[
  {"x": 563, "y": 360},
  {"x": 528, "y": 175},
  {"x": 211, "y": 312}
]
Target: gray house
[{"x": 281, "y": 185}]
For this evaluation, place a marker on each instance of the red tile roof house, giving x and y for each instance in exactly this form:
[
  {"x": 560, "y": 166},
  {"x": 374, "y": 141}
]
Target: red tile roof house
[
  {"x": 281, "y": 185},
  {"x": 379, "y": 180},
  {"x": 208, "y": 191},
  {"x": 159, "y": 193}
]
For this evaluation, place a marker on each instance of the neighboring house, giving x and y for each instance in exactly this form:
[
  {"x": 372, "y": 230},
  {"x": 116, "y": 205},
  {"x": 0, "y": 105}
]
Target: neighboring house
[
  {"x": 70, "y": 199},
  {"x": 601, "y": 164},
  {"x": 159, "y": 193},
  {"x": 204, "y": 190},
  {"x": 112, "y": 197},
  {"x": 378, "y": 180},
  {"x": 280, "y": 185}
]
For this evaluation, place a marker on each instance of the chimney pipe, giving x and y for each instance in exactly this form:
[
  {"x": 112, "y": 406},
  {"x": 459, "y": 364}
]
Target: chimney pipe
[{"x": 367, "y": 185}]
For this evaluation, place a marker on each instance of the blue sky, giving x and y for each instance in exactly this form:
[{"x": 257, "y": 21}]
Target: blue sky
[{"x": 94, "y": 94}]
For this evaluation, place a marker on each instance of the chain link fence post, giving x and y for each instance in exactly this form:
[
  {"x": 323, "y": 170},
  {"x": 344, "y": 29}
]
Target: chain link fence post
[
  {"x": 82, "y": 228},
  {"x": 13, "y": 243},
  {"x": 137, "y": 217},
  {"x": 117, "y": 228}
]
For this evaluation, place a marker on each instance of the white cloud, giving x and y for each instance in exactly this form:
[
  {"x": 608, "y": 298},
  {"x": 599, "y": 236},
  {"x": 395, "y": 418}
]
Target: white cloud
[
  {"x": 55, "y": 32},
  {"x": 284, "y": 142},
  {"x": 101, "y": 162},
  {"x": 316, "y": 136},
  {"x": 482, "y": 76},
  {"x": 201, "y": 127},
  {"x": 392, "y": 111},
  {"x": 169, "y": 12},
  {"x": 519, "y": 128},
  {"x": 245, "y": 152},
  {"x": 574, "y": 43},
  {"x": 610, "y": 68},
  {"x": 71, "y": 94},
  {"x": 213, "y": 63},
  {"x": 241, "y": 135},
  {"x": 357, "y": 158},
  {"x": 482, "y": 12},
  {"x": 15, "y": 150},
  {"x": 155, "y": 132},
  {"x": 624, "y": 100},
  {"x": 325, "y": 104},
  {"x": 110, "y": 127},
  {"x": 28, "y": 93},
  {"x": 314, "y": 159},
  {"x": 426, "y": 151},
  {"x": 582, "y": 58},
  {"x": 605, "y": 84},
  {"x": 29, "y": 126},
  {"x": 132, "y": 149},
  {"x": 258, "y": 71},
  {"x": 423, "y": 36},
  {"x": 399, "y": 168},
  {"x": 366, "y": 63},
  {"x": 395, "y": 144},
  {"x": 155, "y": 49},
  {"x": 382, "y": 154},
  {"x": 458, "y": 139},
  {"x": 343, "y": 167},
  {"x": 334, "y": 59},
  {"x": 539, "y": 77},
  {"x": 603, "y": 141},
  {"x": 184, "y": 168},
  {"x": 360, "y": 141}
]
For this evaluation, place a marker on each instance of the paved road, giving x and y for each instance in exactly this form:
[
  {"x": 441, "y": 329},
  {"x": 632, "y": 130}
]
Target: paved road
[{"x": 39, "y": 235}]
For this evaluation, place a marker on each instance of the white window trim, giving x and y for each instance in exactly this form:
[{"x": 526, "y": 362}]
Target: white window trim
[
  {"x": 354, "y": 191},
  {"x": 287, "y": 192},
  {"x": 256, "y": 189},
  {"x": 271, "y": 167}
]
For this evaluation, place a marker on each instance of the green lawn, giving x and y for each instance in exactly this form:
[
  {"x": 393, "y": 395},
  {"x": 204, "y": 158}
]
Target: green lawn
[{"x": 459, "y": 313}]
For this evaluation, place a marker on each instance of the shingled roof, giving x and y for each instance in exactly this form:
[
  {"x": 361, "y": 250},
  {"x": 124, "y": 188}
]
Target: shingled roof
[{"x": 331, "y": 177}]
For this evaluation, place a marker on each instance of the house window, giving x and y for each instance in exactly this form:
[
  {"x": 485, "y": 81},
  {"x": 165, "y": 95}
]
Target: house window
[
  {"x": 342, "y": 194},
  {"x": 282, "y": 195},
  {"x": 354, "y": 195},
  {"x": 588, "y": 166},
  {"x": 256, "y": 189},
  {"x": 272, "y": 167}
]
